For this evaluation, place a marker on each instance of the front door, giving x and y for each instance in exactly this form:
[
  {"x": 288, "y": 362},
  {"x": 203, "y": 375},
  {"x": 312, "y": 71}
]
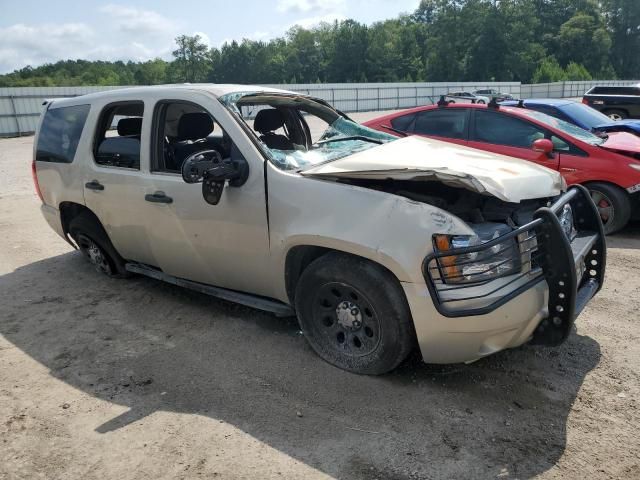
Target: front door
[
  {"x": 501, "y": 133},
  {"x": 227, "y": 244}
]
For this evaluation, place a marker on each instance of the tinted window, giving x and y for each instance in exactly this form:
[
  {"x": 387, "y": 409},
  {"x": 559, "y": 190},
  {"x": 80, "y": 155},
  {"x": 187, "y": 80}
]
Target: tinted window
[
  {"x": 60, "y": 133},
  {"x": 403, "y": 123},
  {"x": 503, "y": 129},
  {"x": 118, "y": 135},
  {"x": 450, "y": 123},
  {"x": 615, "y": 91}
]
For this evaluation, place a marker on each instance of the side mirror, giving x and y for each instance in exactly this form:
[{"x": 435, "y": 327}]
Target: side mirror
[
  {"x": 209, "y": 168},
  {"x": 194, "y": 166},
  {"x": 543, "y": 145}
]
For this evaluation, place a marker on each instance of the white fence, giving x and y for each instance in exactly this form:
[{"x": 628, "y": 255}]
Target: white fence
[
  {"x": 567, "y": 89},
  {"x": 20, "y": 107}
]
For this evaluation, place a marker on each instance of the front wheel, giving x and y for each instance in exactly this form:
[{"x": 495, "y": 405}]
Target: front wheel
[
  {"x": 613, "y": 205},
  {"x": 480, "y": 102},
  {"x": 354, "y": 314}
]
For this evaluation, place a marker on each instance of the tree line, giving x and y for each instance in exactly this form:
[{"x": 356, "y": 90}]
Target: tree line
[{"x": 443, "y": 40}]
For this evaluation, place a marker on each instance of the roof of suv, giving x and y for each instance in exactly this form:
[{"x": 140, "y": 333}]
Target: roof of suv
[{"x": 215, "y": 89}]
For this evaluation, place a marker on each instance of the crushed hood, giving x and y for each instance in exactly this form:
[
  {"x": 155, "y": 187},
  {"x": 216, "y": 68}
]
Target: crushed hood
[
  {"x": 422, "y": 159},
  {"x": 622, "y": 142}
]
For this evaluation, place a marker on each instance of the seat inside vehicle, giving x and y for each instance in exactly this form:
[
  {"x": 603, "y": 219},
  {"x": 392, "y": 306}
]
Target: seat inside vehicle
[
  {"x": 266, "y": 123},
  {"x": 188, "y": 129},
  {"x": 121, "y": 147}
]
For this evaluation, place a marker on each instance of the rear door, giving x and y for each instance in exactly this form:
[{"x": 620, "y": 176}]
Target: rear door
[
  {"x": 498, "y": 132},
  {"x": 448, "y": 124},
  {"x": 113, "y": 179}
]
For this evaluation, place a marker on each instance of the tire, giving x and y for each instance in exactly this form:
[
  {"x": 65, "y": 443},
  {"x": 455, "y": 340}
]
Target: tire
[
  {"x": 480, "y": 102},
  {"x": 615, "y": 114},
  {"x": 94, "y": 243},
  {"x": 613, "y": 204},
  {"x": 354, "y": 314}
]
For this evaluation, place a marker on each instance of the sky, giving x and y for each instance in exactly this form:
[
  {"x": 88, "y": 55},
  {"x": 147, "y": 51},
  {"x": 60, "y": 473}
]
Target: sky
[{"x": 33, "y": 32}]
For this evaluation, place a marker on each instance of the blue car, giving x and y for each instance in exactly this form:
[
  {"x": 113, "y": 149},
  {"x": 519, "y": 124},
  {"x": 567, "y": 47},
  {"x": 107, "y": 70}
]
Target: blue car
[{"x": 579, "y": 114}]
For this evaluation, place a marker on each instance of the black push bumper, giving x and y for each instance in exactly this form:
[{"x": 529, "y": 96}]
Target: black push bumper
[{"x": 573, "y": 268}]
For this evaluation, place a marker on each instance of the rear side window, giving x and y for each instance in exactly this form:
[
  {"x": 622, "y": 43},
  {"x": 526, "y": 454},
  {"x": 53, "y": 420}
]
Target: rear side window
[
  {"x": 60, "y": 133},
  {"x": 449, "y": 123},
  {"x": 117, "y": 142},
  {"x": 615, "y": 91}
]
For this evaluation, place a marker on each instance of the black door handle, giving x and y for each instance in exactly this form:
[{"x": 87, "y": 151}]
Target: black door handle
[
  {"x": 94, "y": 185},
  {"x": 158, "y": 197}
]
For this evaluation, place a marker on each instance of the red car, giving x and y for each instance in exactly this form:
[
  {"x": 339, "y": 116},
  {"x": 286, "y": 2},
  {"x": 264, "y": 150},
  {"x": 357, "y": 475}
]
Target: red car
[{"x": 608, "y": 165}]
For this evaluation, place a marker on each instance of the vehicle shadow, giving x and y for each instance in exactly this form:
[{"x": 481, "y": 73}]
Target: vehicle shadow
[
  {"x": 626, "y": 238},
  {"x": 153, "y": 347}
]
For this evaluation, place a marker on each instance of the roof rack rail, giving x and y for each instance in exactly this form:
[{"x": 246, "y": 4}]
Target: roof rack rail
[{"x": 443, "y": 102}]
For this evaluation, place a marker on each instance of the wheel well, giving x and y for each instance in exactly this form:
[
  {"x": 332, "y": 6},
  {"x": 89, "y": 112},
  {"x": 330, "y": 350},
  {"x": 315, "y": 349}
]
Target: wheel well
[
  {"x": 609, "y": 109},
  {"x": 70, "y": 210},
  {"x": 604, "y": 182},
  {"x": 301, "y": 256}
]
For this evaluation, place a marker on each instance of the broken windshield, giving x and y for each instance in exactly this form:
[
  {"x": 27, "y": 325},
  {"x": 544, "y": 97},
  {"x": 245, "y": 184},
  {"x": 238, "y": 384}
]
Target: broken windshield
[{"x": 297, "y": 132}]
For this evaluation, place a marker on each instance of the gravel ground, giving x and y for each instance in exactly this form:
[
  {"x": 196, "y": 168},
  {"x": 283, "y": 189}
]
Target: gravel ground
[{"x": 125, "y": 379}]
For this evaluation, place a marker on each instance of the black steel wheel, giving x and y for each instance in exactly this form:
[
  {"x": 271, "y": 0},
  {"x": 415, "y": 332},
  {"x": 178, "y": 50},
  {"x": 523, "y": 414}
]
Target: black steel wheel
[
  {"x": 346, "y": 320},
  {"x": 354, "y": 314}
]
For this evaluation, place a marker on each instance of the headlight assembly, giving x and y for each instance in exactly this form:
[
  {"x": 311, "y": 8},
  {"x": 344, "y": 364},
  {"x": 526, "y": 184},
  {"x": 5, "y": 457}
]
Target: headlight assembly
[{"x": 498, "y": 260}]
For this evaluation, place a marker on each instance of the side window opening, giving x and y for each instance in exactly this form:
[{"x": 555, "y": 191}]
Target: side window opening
[
  {"x": 501, "y": 129},
  {"x": 182, "y": 129},
  {"x": 449, "y": 123},
  {"x": 404, "y": 122},
  {"x": 118, "y": 136},
  {"x": 60, "y": 133}
]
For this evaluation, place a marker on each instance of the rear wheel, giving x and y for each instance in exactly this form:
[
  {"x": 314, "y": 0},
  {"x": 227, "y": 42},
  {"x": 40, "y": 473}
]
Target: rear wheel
[
  {"x": 480, "y": 102},
  {"x": 354, "y": 314},
  {"x": 615, "y": 114},
  {"x": 613, "y": 205},
  {"x": 94, "y": 243}
]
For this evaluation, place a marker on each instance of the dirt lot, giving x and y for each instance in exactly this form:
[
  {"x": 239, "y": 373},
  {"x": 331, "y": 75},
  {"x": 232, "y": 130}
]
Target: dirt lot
[{"x": 126, "y": 379}]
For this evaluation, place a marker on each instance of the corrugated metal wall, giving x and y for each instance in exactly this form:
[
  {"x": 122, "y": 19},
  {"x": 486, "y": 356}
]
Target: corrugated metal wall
[{"x": 20, "y": 107}]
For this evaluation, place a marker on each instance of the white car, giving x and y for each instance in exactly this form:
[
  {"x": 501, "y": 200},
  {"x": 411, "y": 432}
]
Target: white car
[
  {"x": 277, "y": 201},
  {"x": 493, "y": 93},
  {"x": 466, "y": 97}
]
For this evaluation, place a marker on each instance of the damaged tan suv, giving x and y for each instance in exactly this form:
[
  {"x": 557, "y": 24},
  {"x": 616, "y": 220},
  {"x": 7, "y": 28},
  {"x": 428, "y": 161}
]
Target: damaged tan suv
[{"x": 275, "y": 200}]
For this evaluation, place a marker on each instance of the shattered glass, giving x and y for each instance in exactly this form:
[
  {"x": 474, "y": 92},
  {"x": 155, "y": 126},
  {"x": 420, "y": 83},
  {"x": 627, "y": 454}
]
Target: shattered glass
[{"x": 319, "y": 153}]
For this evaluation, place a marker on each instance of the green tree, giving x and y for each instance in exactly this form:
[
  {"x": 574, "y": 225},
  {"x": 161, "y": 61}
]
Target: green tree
[
  {"x": 576, "y": 71},
  {"x": 549, "y": 70},
  {"x": 192, "y": 61}
]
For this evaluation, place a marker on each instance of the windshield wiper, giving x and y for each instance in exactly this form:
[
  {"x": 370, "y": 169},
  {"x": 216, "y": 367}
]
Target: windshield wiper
[
  {"x": 351, "y": 137},
  {"x": 399, "y": 132}
]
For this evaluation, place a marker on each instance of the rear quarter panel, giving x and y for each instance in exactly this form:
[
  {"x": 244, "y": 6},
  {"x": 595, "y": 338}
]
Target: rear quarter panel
[{"x": 62, "y": 182}]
